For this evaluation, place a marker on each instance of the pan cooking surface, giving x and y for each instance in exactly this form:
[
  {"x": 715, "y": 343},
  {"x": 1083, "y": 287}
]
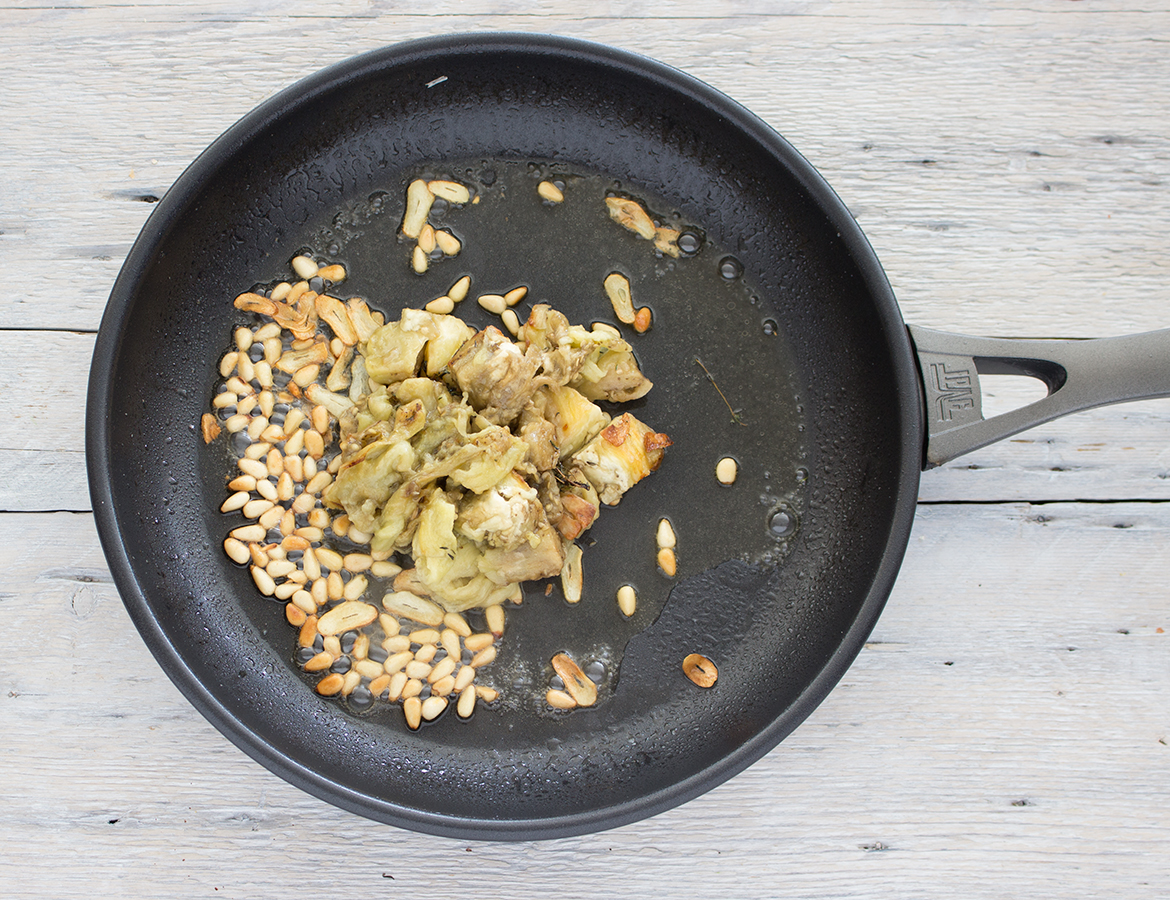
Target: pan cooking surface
[{"x": 797, "y": 341}]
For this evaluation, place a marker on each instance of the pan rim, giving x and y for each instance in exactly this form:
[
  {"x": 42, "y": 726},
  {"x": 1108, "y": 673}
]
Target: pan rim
[{"x": 169, "y": 211}]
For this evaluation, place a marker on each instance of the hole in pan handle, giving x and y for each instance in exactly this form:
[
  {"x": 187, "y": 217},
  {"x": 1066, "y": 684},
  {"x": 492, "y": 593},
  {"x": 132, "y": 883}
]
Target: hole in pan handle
[{"x": 1079, "y": 373}]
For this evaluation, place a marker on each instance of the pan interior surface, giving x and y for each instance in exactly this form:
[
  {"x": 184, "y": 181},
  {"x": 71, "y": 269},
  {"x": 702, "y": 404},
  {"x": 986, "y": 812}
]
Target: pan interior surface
[{"x": 803, "y": 340}]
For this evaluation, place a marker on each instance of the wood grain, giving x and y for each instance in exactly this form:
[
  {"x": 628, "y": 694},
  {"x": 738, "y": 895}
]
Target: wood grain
[{"x": 1004, "y": 732}]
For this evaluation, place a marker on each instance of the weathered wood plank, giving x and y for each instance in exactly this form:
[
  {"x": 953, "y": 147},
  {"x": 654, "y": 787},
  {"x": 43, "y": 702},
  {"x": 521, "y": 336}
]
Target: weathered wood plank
[
  {"x": 1008, "y": 189},
  {"x": 1003, "y": 733}
]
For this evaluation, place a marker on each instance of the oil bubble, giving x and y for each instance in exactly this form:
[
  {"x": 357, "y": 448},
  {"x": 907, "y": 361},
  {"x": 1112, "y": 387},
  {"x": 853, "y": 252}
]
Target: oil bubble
[
  {"x": 771, "y": 327},
  {"x": 689, "y": 243},
  {"x": 595, "y": 671},
  {"x": 782, "y": 523},
  {"x": 730, "y": 268}
]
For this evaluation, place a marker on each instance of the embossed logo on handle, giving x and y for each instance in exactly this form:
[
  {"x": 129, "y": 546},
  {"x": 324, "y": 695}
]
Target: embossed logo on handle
[{"x": 954, "y": 392}]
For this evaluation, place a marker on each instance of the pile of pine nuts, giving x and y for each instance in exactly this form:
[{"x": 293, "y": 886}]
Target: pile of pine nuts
[{"x": 297, "y": 552}]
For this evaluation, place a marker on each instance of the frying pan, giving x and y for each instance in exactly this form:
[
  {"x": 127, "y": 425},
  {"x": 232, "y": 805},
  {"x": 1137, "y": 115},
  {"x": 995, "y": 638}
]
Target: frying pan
[{"x": 808, "y": 378}]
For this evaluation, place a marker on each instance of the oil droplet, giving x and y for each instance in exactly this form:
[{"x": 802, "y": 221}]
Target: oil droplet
[
  {"x": 730, "y": 268},
  {"x": 801, "y": 475},
  {"x": 595, "y": 671},
  {"x": 782, "y": 523},
  {"x": 689, "y": 243},
  {"x": 770, "y": 327}
]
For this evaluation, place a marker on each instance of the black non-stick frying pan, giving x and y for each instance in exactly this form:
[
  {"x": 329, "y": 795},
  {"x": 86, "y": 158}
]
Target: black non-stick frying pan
[{"x": 782, "y": 315}]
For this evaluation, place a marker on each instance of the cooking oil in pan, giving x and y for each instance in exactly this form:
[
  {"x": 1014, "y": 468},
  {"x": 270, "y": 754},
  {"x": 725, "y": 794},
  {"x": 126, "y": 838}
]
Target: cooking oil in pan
[{"x": 724, "y": 387}]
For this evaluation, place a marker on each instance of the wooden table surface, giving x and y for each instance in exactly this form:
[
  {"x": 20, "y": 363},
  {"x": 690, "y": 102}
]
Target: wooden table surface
[{"x": 1006, "y": 733}]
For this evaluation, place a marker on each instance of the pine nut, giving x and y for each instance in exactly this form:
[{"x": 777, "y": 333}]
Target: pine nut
[
  {"x": 335, "y": 585},
  {"x": 426, "y": 239},
  {"x": 486, "y": 694},
  {"x": 319, "y": 482},
  {"x": 397, "y": 643},
  {"x": 424, "y": 636},
  {"x": 292, "y": 463},
  {"x": 286, "y": 590},
  {"x": 495, "y": 619},
  {"x": 426, "y": 653},
  {"x": 256, "y": 427},
  {"x": 384, "y": 568},
  {"x": 271, "y": 518},
  {"x": 357, "y": 562},
  {"x": 369, "y": 669},
  {"x": 550, "y": 192},
  {"x": 320, "y": 591},
  {"x": 412, "y": 709},
  {"x": 511, "y": 321},
  {"x": 228, "y": 364},
  {"x": 396, "y": 686},
  {"x": 349, "y": 681},
  {"x": 236, "y": 501},
  {"x": 330, "y": 559},
  {"x": 665, "y": 536},
  {"x": 224, "y": 400},
  {"x": 485, "y": 657},
  {"x": 457, "y": 623},
  {"x": 477, "y": 642},
  {"x": 249, "y": 533},
  {"x": 443, "y": 686},
  {"x": 433, "y": 707},
  {"x": 459, "y": 289},
  {"x": 448, "y": 244},
  {"x": 464, "y": 677},
  {"x": 627, "y": 600},
  {"x": 441, "y": 305},
  {"x": 254, "y": 509},
  {"x": 412, "y": 688},
  {"x": 302, "y": 599},
  {"x": 305, "y": 267},
  {"x": 419, "y": 260},
  {"x": 236, "y": 550},
  {"x": 267, "y": 490},
  {"x": 235, "y": 424},
  {"x": 355, "y": 588},
  {"x": 442, "y": 669},
  {"x": 397, "y": 662},
  {"x": 331, "y": 643},
  {"x": 514, "y": 296},
  {"x": 314, "y": 444},
  {"x": 450, "y": 641},
  {"x": 264, "y": 582},
  {"x": 493, "y": 303},
  {"x": 466, "y": 705},
  {"x": 726, "y": 470},
  {"x": 279, "y": 568}
]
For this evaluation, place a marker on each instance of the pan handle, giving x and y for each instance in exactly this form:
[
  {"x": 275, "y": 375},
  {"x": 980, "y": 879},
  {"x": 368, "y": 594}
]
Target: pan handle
[{"x": 1080, "y": 374}]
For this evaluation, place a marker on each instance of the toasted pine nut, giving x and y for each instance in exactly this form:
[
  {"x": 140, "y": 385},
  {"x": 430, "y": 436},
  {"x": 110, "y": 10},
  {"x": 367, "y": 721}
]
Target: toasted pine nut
[
  {"x": 320, "y": 417},
  {"x": 667, "y": 561},
  {"x": 331, "y": 644},
  {"x": 466, "y": 705},
  {"x": 426, "y": 239},
  {"x": 334, "y": 273},
  {"x": 236, "y": 550},
  {"x": 433, "y": 707},
  {"x": 305, "y": 267},
  {"x": 259, "y": 556},
  {"x": 318, "y": 482},
  {"x": 249, "y": 533},
  {"x": 412, "y": 688},
  {"x": 726, "y": 470},
  {"x": 495, "y": 619},
  {"x": 238, "y": 500},
  {"x": 294, "y": 615},
  {"x": 486, "y": 694},
  {"x": 355, "y": 587},
  {"x": 279, "y": 568},
  {"x": 464, "y": 677},
  {"x": 331, "y": 684},
  {"x": 550, "y": 192},
  {"x": 514, "y": 296},
  {"x": 301, "y": 599},
  {"x": 412, "y": 709},
  {"x": 442, "y": 669},
  {"x": 271, "y": 518},
  {"x": 322, "y": 660},
  {"x": 477, "y": 642},
  {"x": 242, "y": 483},
  {"x": 254, "y": 509},
  {"x": 396, "y": 686},
  {"x": 318, "y": 518},
  {"x": 627, "y": 600},
  {"x": 267, "y": 490},
  {"x": 315, "y": 444},
  {"x": 642, "y": 320},
  {"x": 459, "y": 289},
  {"x": 329, "y": 558},
  {"x": 308, "y": 632},
  {"x": 493, "y": 303},
  {"x": 369, "y": 669},
  {"x": 320, "y": 591},
  {"x": 379, "y": 684},
  {"x": 447, "y": 243},
  {"x": 264, "y": 581}
]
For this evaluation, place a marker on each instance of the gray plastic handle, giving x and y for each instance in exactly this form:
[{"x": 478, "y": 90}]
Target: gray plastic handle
[{"x": 1080, "y": 374}]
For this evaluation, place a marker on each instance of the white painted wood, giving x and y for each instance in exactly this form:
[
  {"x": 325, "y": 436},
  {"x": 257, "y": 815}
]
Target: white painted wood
[
  {"x": 1010, "y": 165},
  {"x": 967, "y": 700}
]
